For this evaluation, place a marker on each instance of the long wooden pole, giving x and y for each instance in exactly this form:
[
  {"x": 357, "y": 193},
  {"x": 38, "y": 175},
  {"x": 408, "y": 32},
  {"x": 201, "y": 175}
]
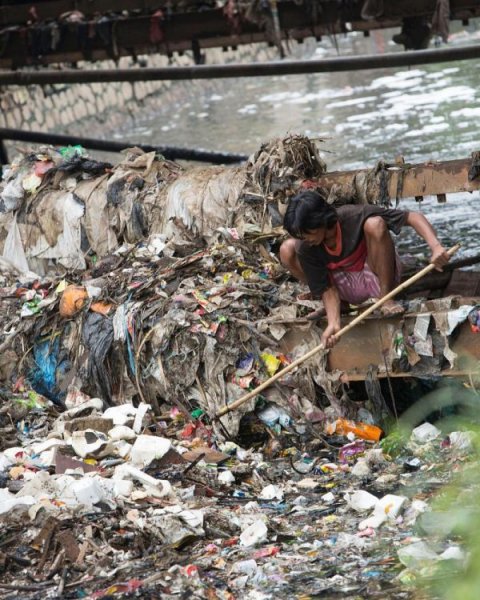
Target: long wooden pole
[{"x": 351, "y": 325}]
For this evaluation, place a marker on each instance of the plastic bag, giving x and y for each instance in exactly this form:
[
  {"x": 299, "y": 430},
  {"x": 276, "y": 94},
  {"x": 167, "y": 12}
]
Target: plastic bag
[{"x": 13, "y": 250}]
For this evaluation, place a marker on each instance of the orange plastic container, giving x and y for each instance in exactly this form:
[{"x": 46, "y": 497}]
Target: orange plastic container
[
  {"x": 72, "y": 300},
  {"x": 361, "y": 430}
]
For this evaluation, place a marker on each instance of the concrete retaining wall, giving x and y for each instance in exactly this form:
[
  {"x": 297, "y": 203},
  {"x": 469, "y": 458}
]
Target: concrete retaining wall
[{"x": 97, "y": 109}]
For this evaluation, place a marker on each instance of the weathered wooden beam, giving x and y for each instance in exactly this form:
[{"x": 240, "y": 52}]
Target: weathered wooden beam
[
  {"x": 371, "y": 344},
  {"x": 409, "y": 181}
]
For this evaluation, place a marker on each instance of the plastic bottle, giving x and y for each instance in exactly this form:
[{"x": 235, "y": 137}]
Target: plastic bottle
[{"x": 361, "y": 430}]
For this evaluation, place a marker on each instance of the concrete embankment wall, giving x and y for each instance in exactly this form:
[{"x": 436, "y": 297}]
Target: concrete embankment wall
[{"x": 98, "y": 109}]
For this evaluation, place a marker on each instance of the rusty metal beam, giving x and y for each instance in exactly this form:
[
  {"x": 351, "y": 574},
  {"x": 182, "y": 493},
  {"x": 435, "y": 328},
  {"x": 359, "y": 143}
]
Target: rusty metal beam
[
  {"x": 409, "y": 181},
  {"x": 170, "y": 152},
  {"x": 241, "y": 70}
]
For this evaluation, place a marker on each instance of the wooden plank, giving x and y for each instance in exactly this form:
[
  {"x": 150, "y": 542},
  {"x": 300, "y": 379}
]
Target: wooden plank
[
  {"x": 426, "y": 179},
  {"x": 370, "y": 343}
]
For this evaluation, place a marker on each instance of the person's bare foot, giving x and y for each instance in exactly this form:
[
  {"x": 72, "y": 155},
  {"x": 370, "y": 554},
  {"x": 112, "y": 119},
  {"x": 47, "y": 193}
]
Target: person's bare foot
[
  {"x": 305, "y": 296},
  {"x": 320, "y": 312},
  {"x": 316, "y": 314},
  {"x": 391, "y": 309}
]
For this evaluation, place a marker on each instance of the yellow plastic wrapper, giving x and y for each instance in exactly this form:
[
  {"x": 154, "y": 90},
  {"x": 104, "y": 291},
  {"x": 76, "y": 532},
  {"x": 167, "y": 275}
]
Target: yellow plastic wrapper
[
  {"x": 61, "y": 286},
  {"x": 271, "y": 362}
]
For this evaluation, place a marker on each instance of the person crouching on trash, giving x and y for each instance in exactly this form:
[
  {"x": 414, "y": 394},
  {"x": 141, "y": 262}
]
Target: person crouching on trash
[{"x": 348, "y": 254}]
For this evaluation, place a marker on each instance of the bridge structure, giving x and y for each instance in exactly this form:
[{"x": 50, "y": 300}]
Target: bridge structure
[{"x": 45, "y": 32}]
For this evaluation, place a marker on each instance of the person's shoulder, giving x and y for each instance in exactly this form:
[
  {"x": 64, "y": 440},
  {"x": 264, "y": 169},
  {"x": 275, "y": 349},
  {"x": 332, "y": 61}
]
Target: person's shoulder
[
  {"x": 365, "y": 209},
  {"x": 347, "y": 210}
]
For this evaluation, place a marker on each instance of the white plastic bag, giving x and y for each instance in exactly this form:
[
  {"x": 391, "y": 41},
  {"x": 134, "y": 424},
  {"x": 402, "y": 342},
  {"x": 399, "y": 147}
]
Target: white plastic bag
[{"x": 13, "y": 250}]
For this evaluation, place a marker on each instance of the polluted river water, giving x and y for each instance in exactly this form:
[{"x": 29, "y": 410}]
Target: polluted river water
[{"x": 423, "y": 113}]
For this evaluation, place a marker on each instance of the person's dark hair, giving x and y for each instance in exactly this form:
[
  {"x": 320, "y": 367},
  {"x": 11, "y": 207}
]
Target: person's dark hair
[{"x": 308, "y": 211}]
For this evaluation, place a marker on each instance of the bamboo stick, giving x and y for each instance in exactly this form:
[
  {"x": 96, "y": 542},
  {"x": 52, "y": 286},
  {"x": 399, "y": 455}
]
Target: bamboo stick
[{"x": 234, "y": 405}]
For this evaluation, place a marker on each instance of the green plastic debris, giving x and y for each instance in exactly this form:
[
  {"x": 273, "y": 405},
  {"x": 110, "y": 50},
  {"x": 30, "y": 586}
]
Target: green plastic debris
[
  {"x": 68, "y": 152},
  {"x": 197, "y": 413}
]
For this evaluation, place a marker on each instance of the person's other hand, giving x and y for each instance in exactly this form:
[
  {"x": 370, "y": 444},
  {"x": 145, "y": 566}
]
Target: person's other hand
[
  {"x": 440, "y": 257},
  {"x": 329, "y": 338}
]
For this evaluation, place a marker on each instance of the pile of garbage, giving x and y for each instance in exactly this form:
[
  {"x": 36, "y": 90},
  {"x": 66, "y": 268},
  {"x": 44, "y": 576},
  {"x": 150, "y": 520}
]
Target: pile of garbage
[
  {"x": 149, "y": 283},
  {"x": 60, "y": 208},
  {"x": 136, "y": 302},
  {"x": 116, "y": 502}
]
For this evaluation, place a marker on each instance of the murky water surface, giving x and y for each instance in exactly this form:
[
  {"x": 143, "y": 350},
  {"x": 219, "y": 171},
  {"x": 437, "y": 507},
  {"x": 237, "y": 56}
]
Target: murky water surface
[{"x": 422, "y": 113}]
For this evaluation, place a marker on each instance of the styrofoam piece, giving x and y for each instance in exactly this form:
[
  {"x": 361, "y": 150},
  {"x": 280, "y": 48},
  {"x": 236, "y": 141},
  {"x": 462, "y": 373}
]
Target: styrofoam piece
[
  {"x": 147, "y": 448},
  {"x": 256, "y": 533},
  {"x": 9, "y": 501},
  {"x": 121, "y": 448},
  {"x": 87, "y": 491},
  {"x": 226, "y": 477},
  {"x": 328, "y": 498},
  {"x": 193, "y": 518},
  {"x": 360, "y": 500},
  {"x": 88, "y": 442},
  {"x": 361, "y": 469},
  {"x": 387, "y": 507},
  {"x": 462, "y": 440},
  {"x": 271, "y": 492},
  {"x": 426, "y": 432},
  {"x": 42, "y": 485},
  {"x": 245, "y": 567},
  {"x": 94, "y": 404},
  {"x": 126, "y": 471},
  {"x": 142, "y": 410},
  {"x": 63, "y": 485},
  {"x": 121, "y": 414},
  {"x": 123, "y": 487},
  {"x": 121, "y": 432}
]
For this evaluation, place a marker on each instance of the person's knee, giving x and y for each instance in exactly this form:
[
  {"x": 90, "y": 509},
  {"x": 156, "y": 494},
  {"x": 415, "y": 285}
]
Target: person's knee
[
  {"x": 375, "y": 228},
  {"x": 288, "y": 253}
]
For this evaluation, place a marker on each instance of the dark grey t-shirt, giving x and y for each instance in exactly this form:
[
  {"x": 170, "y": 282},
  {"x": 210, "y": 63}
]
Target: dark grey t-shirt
[{"x": 316, "y": 261}]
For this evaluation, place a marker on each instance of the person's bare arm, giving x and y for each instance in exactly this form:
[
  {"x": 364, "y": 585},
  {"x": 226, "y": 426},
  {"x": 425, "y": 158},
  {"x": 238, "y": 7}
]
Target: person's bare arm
[
  {"x": 331, "y": 302},
  {"x": 422, "y": 226}
]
